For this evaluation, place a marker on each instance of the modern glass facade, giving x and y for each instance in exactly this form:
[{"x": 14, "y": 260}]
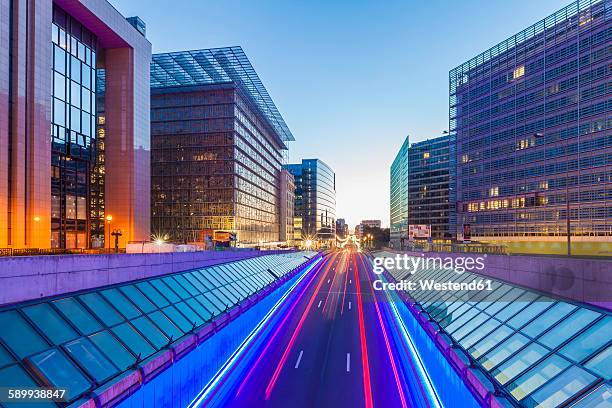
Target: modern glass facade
[
  {"x": 539, "y": 351},
  {"x": 86, "y": 341},
  {"x": 399, "y": 197},
  {"x": 315, "y": 200},
  {"x": 532, "y": 118},
  {"x": 428, "y": 185},
  {"x": 49, "y": 60},
  {"x": 287, "y": 206},
  {"x": 217, "y": 147},
  {"x": 73, "y": 130}
]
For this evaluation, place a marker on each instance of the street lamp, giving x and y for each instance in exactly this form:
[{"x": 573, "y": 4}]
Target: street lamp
[{"x": 109, "y": 218}]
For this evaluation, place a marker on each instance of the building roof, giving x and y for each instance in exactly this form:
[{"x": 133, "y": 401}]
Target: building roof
[
  {"x": 574, "y": 14},
  {"x": 539, "y": 350},
  {"x": 86, "y": 340},
  {"x": 217, "y": 66}
]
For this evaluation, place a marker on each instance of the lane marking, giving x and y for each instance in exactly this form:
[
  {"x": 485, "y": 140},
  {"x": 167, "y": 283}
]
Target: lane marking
[
  {"x": 294, "y": 336},
  {"x": 329, "y": 279},
  {"x": 365, "y": 363},
  {"x": 350, "y": 281},
  {"x": 236, "y": 355},
  {"x": 349, "y": 305},
  {"x": 297, "y": 363},
  {"x": 320, "y": 301},
  {"x": 301, "y": 294},
  {"x": 344, "y": 291},
  {"x": 333, "y": 279},
  {"x": 348, "y": 362},
  {"x": 398, "y": 383},
  {"x": 411, "y": 349}
]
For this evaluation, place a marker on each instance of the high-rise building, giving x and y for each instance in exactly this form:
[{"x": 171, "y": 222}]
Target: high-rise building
[
  {"x": 315, "y": 200},
  {"x": 359, "y": 229},
  {"x": 532, "y": 118},
  {"x": 399, "y": 197},
  {"x": 52, "y": 56},
  {"x": 217, "y": 148},
  {"x": 428, "y": 185},
  {"x": 341, "y": 228},
  {"x": 287, "y": 206}
]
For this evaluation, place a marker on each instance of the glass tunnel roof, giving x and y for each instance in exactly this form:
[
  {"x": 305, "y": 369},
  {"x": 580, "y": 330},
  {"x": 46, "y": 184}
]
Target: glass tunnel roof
[
  {"x": 217, "y": 66},
  {"x": 540, "y": 350},
  {"x": 80, "y": 341}
]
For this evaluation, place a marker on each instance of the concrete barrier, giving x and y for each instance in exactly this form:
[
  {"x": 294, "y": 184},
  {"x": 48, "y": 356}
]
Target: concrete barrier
[
  {"x": 31, "y": 277},
  {"x": 587, "y": 280}
]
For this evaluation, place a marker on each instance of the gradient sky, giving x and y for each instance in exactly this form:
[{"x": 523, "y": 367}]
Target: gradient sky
[{"x": 351, "y": 78}]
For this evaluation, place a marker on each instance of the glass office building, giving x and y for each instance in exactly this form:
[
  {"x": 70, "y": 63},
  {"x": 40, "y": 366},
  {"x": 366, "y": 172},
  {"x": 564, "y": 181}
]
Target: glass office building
[
  {"x": 399, "y": 197},
  {"x": 48, "y": 135},
  {"x": 217, "y": 148},
  {"x": 533, "y": 131},
  {"x": 315, "y": 200},
  {"x": 428, "y": 186},
  {"x": 73, "y": 129}
]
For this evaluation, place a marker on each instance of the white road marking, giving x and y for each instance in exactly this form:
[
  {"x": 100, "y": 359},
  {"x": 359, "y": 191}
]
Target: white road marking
[
  {"x": 350, "y": 281},
  {"x": 328, "y": 280},
  {"x": 349, "y": 305},
  {"x": 348, "y": 362},
  {"x": 297, "y": 363},
  {"x": 320, "y": 301}
]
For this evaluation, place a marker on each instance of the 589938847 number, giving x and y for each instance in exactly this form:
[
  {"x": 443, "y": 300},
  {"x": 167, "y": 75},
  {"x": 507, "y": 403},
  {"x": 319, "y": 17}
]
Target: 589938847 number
[{"x": 8, "y": 394}]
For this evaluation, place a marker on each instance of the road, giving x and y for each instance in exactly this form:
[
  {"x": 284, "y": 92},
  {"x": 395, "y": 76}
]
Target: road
[{"x": 332, "y": 344}]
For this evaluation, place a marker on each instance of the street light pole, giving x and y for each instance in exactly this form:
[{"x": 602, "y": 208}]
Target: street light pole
[{"x": 109, "y": 218}]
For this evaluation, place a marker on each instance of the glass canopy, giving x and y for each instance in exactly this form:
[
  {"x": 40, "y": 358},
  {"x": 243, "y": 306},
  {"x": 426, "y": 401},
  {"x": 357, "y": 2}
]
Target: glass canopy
[
  {"x": 83, "y": 340},
  {"x": 541, "y": 351}
]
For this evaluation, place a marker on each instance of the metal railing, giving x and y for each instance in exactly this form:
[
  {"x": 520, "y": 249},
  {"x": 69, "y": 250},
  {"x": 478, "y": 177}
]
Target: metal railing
[
  {"x": 456, "y": 247},
  {"x": 55, "y": 251}
]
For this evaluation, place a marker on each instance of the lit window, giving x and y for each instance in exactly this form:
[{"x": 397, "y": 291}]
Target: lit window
[
  {"x": 518, "y": 72},
  {"x": 494, "y": 191},
  {"x": 426, "y": 155},
  {"x": 585, "y": 20},
  {"x": 465, "y": 158}
]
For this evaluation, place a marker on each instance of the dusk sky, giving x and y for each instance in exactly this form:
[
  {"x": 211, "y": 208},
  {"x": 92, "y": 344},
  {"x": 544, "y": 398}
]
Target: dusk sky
[{"x": 351, "y": 78}]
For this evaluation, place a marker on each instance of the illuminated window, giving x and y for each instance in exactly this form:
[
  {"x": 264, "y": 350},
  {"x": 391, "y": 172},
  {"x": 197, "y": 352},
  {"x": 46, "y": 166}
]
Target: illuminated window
[
  {"x": 518, "y": 72},
  {"x": 494, "y": 191},
  {"x": 586, "y": 19},
  {"x": 426, "y": 155},
  {"x": 465, "y": 158}
]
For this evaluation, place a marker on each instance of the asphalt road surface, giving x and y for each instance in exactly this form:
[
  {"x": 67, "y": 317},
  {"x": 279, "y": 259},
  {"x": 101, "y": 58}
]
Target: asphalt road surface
[{"x": 333, "y": 343}]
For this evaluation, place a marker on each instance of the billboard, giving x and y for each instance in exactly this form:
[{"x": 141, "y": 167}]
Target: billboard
[
  {"x": 419, "y": 231},
  {"x": 467, "y": 233},
  {"x": 224, "y": 236}
]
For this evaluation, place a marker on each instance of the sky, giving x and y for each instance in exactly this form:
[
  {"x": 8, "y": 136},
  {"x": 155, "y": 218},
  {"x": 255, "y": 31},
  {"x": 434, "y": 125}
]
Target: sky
[{"x": 351, "y": 78}]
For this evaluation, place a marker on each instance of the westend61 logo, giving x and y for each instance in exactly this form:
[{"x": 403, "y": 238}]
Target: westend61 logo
[{"x": 413, "y": 264}]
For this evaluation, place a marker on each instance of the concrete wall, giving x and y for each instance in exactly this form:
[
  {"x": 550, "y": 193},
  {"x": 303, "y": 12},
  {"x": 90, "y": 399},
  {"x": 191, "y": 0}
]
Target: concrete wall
[
  {"x": 26, "y": 278},
  {"x": 581, "y": 279}
]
